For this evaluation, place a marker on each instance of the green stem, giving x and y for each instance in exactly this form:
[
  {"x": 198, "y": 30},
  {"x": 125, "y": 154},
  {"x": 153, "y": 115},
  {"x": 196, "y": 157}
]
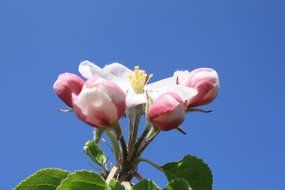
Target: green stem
[
  {"x": 97, "y": 135},
  {"x": 134, "y": 130},
  {"x": 137, "y": 145},
  {"x": 114, "y": 139},
  {"x": 151, "y": 163},
  {"x": 124, "y": 148},
  {"x": 147, "y": 142}
]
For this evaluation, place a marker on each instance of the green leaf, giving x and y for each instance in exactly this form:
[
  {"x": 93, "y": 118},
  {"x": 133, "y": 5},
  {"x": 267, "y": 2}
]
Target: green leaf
[
  {"x": 145, "y": 185},
  {"x": 116, "y": 185},
  {"x": 193, "y": 170},
  {"x": 46, "y": 179},
  {"x": 95, "y": 153},
  {"x": 178, "y": 184},
  {"x": 83, "y": 180}
]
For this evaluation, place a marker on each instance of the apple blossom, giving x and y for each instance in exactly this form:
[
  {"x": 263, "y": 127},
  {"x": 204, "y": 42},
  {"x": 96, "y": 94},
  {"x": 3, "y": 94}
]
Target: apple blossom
[
  {"x": 66, "y": 86},
  {"x": 204, "y": 80},
  {"x": 167, "y": 112},
  {"x": 135, "y": 83},
  {"x": 100, "y": 103}
]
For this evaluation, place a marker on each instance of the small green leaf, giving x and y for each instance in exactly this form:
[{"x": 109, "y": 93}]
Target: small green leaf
[
  {"x": 193, "y": 170},
  {"x": 145, "y": 185},
  {"x": 178, "y": 184},
  {"x": 83, "y": 180},
  {"x": 95, "y": 153},
  {"x": 115, "y": 185},
  {"x": 46, "y": 179}
]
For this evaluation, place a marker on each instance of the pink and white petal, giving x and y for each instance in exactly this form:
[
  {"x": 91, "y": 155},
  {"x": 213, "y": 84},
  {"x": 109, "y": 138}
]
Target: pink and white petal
[
  {"x": 181, "y": 75},
  {"x": 184, "y": 92},
  {"x": 161, "y": 83},
  {"x": 133, "y": 99},
  {"x": 204, "y": 73},
  {"x": 119, "y": 70}
]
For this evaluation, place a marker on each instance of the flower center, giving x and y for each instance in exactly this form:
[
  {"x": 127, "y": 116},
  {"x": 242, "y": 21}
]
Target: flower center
[{"x": 138, "y": 80}]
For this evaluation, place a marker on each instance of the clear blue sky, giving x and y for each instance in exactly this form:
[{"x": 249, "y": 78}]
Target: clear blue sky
[{"x": 244, "y": 40}]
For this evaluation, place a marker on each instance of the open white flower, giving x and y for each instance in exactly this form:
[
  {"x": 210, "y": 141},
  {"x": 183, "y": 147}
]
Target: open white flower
[{"x": 134, "y": 83}]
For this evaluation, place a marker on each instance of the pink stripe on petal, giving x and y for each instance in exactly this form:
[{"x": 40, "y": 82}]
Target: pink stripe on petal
[
  {"x": 66, "y": 85},
  {"x": 167, "y": 112}
]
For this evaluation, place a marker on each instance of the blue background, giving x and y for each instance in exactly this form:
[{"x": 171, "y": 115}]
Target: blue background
[{"x": 242, "y": 140}]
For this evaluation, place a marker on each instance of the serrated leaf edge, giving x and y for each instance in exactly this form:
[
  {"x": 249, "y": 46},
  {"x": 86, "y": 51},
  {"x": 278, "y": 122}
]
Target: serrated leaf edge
[
  {"x": 185, "y": 157},
  {"x": 78, "y": 171},
  {"x": 37, "y": 172},
  {"x": 181, "y": 179},
  {"x": 148, "y": 181}
]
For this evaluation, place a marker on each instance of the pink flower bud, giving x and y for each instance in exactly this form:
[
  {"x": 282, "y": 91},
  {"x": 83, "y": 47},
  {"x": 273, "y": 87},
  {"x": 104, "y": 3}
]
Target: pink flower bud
[
  {"x": 205, "y": 81},
  {"x": 66, "y": 85},
  {"x": 167, "y": 112},
  {"x": 100, "y": 103}
]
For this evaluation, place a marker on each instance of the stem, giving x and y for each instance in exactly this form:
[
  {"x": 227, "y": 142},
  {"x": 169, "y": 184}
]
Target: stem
[
  {"x": 131, "y": 125},
  {"x": 151, "y": 163},
  {"x": 97, "y": 135},
  {"x": 124, "y": 148},
  {"x": 143, "y": 147},
  {"x": 112, "y": 174},
  {"x": 138, "y": 176},
  {"x": 134, "y": 129},
  {"x": 134, "y": 152},
  {"x": 130, "y": 165},
  {"x": 113, "y": 137},
  {"x": 107, "y": 144}
]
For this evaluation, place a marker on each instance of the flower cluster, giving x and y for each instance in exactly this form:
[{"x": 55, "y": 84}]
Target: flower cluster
[{"x": 109, "y": 93}]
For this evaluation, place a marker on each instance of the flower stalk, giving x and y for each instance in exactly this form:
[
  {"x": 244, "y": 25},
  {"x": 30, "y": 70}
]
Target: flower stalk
[{"x": 114, "y": 139}]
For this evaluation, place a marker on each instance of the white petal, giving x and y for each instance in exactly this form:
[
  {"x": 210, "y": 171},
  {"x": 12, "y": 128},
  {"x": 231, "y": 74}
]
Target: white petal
[
  {"x": 118, "y": 70},
  {"x": 88, "y": 69},
  {"x": 184, "y": 92},
  {"x": 161, "y": 83},
  {"x": 133, "y": 99},
  {"x": 181, "y": 74}
]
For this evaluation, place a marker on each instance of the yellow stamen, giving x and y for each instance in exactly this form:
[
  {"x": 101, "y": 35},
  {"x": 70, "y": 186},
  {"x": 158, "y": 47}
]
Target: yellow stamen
[{"x": 138, "y": 80}]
